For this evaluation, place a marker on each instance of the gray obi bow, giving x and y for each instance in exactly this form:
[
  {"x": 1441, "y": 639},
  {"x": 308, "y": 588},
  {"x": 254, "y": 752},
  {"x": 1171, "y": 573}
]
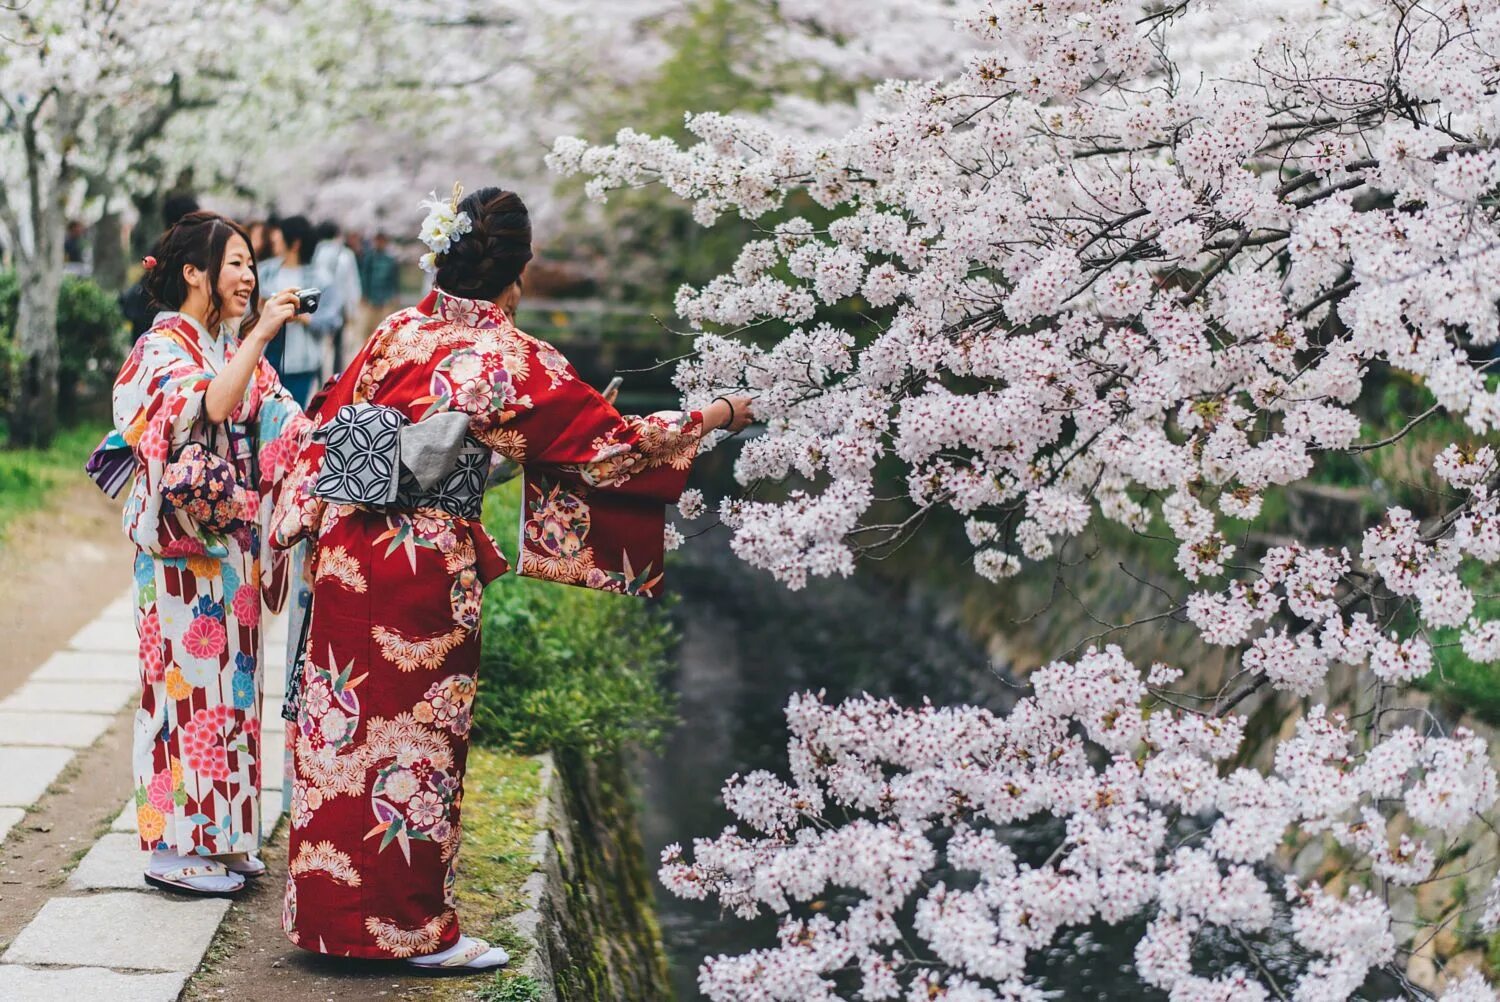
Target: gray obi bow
[{"x": 374, "y": 456}]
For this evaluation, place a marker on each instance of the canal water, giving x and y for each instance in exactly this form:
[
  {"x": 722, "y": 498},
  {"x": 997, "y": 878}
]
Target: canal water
[{"x": 747, "y": 643}]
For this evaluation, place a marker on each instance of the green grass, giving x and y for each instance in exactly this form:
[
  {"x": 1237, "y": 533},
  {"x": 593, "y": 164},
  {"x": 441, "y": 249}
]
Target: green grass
[
  {"x": 520, "y": 988},
  {"x": 565, "y": 667},
  {"x": 28, "y": 477},
  {"x": 501, "y": 792}
]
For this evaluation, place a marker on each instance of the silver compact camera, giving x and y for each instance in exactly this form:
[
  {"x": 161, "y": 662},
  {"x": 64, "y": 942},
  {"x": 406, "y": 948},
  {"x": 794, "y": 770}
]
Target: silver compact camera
[{"x": 308, "y": 300}]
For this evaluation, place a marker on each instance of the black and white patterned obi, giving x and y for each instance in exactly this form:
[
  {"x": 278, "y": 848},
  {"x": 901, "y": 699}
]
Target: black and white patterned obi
[
  {"x": 363, "y": 464},
  {"x": 361, "y": 455},
  {"x": 460, "y": 492}
]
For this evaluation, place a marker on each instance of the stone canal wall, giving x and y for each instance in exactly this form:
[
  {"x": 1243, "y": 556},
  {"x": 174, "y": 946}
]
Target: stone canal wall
[{"x": 590, "y": 919}]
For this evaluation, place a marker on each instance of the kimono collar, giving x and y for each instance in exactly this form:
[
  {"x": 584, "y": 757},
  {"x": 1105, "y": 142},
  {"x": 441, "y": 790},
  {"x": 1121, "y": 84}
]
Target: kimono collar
[
  {"x": 468, "y": 312},
  {"x": 193, "y": 322}
]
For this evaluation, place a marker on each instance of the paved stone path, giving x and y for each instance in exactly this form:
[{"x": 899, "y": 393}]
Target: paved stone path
[{"x": 106, "y": 935}]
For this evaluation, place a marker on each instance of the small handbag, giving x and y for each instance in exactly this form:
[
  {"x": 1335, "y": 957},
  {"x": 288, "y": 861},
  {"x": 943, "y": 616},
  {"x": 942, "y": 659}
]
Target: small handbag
[{"x": 206, "y": 487}]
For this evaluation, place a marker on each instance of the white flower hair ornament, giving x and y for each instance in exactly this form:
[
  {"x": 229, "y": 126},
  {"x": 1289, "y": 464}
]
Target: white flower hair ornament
[{"x": 442, "y": 227}]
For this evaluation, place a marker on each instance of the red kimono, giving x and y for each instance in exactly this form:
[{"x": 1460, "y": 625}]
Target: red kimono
[{"x": 393, "y": 644}]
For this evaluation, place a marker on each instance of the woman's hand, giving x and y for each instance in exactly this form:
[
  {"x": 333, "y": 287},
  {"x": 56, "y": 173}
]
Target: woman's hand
[
  {"x": 228, "y": 388},
  {"x": 274, "y": 314},
  {"x": 732, "y": 413}
]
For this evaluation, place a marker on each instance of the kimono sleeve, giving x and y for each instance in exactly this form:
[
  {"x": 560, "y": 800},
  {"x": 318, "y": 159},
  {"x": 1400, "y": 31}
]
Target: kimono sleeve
[
  {"x": 157, "y": 400},
  {"x": 297, "y": 513},
  {"x": 595, "y": 482},
  {"x": 281, "y": 429}
]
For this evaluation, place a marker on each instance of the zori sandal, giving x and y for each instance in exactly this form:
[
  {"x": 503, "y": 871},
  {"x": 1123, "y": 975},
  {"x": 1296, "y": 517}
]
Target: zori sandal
[
  {"x": 249, "y": 867},
  {"x": 206, "y": 879},
  {"x": 464, "y": 957}
]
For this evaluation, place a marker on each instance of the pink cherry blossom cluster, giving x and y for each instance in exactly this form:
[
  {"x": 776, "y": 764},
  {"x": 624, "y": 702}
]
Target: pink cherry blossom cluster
[{"x": 1129, "y": 263}]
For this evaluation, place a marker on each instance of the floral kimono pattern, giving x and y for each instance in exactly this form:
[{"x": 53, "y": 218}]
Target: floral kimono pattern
[
  {"x": 392, "y": 662},
  {"x": 199, "y": 596}
]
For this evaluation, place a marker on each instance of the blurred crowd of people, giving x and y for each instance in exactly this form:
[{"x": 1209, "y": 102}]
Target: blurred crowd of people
[{"x": 359, "y": 278}]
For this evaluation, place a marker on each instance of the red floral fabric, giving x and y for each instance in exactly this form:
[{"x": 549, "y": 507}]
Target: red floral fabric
[{"x": 393, "y": 654}]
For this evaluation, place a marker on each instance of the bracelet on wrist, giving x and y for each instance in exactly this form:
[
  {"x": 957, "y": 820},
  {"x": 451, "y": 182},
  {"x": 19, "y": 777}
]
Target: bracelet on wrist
[{"x": 730, "y": 405}]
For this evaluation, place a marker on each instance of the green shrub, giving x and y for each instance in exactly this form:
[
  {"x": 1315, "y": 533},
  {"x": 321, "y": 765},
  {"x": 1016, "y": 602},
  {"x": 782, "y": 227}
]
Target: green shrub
[
  {"x": 520, "y": 988},
  {"x": 90, "y": 332},
  {"x": 1466, "y": 685},
  {"x": 565, "y": 667},
  {"x": 91, "y": 336},
  {"x": 10, "y": 357}
]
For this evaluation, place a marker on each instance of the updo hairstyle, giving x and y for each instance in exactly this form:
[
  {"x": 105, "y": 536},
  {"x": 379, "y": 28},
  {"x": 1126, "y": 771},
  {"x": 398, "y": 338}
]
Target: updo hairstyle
[{"x": 482, "y": 263}]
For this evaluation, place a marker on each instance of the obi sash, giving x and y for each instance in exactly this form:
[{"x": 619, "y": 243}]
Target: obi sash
[
  {"x": 374, "y": 457},
  {"x": 112, "y": 463}
]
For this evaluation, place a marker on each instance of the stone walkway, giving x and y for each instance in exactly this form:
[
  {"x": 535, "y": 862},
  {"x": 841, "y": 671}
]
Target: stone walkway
[{"x": 105, "y": 934}]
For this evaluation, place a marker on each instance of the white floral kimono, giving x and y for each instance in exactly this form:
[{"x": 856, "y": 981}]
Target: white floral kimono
[{"x": 199, "y": 597}]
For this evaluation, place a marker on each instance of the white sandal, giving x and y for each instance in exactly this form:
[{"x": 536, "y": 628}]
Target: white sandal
[
  {"x": 250, "y": 867},
  {"x": 180, "y": 880},
  {"x": 468, "y": 954}
]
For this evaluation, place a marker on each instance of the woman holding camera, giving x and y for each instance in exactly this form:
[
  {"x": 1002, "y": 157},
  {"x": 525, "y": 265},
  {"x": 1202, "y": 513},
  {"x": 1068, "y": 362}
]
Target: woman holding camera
[
  {"x": 389, "y": 490},
  {"x": 211, "y": 431}
]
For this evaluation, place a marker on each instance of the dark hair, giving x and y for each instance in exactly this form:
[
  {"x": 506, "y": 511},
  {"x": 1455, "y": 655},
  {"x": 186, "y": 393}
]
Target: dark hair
[
  {"x": 298, "y": 230},
  {"x": 174, "y": 207},
  {"x": 198, "y": 239},
  {"x": 482, "y": 263},
  {"x": 327, "y": 230}
]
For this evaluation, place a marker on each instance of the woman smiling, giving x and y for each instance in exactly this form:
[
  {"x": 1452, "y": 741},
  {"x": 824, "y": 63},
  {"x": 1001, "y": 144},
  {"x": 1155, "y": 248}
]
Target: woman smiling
[{"x": 210, "y": 427}]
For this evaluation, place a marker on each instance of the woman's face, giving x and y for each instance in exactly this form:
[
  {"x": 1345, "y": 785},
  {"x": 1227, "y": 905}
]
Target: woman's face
[
  {"x": 236, "y": 278},
  {"x": 276, "y": 240}
]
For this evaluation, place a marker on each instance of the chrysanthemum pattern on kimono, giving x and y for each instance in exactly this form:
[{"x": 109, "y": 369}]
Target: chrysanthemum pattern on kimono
[
  {"x": 196, "y": 748},
  {"x": 393, "y": 651}
]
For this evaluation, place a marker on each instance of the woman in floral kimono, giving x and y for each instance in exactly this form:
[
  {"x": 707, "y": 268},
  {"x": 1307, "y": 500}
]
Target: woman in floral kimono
[
  {"x": 391, "y": 493},
  {"x": 194, "y": 378}
]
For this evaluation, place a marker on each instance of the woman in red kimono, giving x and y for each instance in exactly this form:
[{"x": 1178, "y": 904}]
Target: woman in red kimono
[{"x": 389, "y": 487}]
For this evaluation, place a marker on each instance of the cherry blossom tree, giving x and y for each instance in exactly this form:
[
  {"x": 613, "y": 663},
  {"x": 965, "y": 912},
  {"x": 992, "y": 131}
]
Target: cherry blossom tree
[
  {"x": 349, "y": 108},
  {"x": 470, "y": 92},
  {"x": 1132, "y": 263},
  {"x": 88, "y": 89}
]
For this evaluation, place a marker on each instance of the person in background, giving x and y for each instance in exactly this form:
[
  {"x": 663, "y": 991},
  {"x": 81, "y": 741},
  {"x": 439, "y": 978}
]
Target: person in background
[
  {"x": 260, "y": 243},
  {"x": 75, "y": 249},
  {"x": 293, "y": 244},
  {"x": 338, "y": 272},
  {"x": 264, "y": 258},
  {"x": 134, "y": 302},
  {"x": 379, "y": 277}
]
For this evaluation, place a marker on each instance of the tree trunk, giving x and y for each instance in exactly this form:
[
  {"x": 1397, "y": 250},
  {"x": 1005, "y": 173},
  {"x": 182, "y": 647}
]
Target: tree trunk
[
  {"x": 33, "y": 419},
  {"x": 109, "y": 252}
]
